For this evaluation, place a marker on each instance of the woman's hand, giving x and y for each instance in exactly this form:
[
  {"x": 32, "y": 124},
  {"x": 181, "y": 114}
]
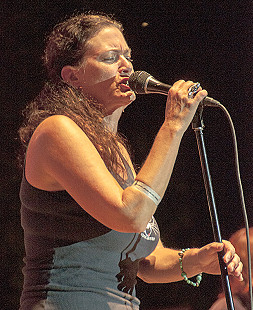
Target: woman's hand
[
  {"x": 181, "y": 107},
  {"x": 208, "y": 260}
]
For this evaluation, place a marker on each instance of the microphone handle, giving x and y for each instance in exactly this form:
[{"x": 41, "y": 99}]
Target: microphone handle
[{"x": 154, "y": 86}]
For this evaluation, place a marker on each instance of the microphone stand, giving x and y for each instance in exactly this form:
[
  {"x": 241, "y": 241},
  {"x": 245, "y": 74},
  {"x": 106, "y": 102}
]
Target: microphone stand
[{"x": 198, "y": 126}]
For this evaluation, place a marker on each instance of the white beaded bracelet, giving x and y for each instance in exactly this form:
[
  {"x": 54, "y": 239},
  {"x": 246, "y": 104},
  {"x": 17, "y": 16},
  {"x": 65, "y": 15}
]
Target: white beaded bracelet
[{"x": 148, "y": 191}]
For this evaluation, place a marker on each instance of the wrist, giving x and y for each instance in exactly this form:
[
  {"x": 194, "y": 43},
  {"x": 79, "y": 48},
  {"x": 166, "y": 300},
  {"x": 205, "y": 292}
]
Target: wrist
[
  {"x": 172, "y": 128},
  {"x": 191, "y": 262},
  {"x": 184, "y": 274}
]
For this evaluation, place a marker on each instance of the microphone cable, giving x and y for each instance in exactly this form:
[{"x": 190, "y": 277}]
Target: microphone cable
[{"x": 241, "y": 194}]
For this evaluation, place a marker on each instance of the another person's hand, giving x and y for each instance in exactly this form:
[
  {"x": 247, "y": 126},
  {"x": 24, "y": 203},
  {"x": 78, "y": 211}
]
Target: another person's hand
[{"x": 208, "y": 259}]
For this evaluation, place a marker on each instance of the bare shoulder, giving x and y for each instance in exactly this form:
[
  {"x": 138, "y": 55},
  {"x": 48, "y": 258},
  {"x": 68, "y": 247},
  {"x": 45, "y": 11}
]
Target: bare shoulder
[
  {"x": 56, "y": 124},
  {"x": 55, "y": 132},
  {"x": 58, "y": 120},
  {"x": 53, "y": 141}
]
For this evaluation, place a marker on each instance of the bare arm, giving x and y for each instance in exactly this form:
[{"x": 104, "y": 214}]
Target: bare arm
[
  {"x": 162, "y": 266},
  {"x": 60, "y": 156}
]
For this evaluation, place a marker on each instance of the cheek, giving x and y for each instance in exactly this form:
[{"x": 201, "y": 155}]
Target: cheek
[{"x": 99, "y": 74}]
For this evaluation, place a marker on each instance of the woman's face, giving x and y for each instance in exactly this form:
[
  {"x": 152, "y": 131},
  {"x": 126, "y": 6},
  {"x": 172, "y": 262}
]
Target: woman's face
[{"x": 106, "y": 68}]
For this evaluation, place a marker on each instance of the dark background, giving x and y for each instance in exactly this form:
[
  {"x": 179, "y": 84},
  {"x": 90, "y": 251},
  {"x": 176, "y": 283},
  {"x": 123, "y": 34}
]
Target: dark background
[{"x": 205, "y": 41}]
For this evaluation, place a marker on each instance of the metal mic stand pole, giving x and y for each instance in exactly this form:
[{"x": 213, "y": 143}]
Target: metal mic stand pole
[{"x": 198, "y": 126}]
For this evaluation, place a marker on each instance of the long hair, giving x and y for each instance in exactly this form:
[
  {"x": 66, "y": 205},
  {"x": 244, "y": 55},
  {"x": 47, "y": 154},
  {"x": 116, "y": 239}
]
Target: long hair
[{"x": 66, "y": 46}]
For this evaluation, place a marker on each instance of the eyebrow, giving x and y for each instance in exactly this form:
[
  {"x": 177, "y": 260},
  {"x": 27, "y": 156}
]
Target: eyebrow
[{"x": 128, "y": 50}]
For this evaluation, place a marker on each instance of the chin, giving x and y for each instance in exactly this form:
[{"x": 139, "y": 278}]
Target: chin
[
  {"x": 129, "y": 96},
  {"x": 132, "y": 96},
  {"x": 121, "y": 100}
]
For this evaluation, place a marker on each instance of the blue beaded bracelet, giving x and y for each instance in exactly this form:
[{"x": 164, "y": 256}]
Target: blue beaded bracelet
[{"x": 183, "y": 274}]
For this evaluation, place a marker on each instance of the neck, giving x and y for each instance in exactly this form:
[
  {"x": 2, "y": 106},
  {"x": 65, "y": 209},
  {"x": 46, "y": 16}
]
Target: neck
[{"x": 112, "y": 120}]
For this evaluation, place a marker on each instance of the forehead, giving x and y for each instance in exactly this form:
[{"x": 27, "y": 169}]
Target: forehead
[{"x": 107, "y": 39}]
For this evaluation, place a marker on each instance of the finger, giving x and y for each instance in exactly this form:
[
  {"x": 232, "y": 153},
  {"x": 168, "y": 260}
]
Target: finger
[
  {"x": 189, "y": 84},
  {"x": 193, "y": 89},
  {"x": 216, "y": 247},
  {"x": 235, "y": 267},
  {"x": 229, "y": 251},
  {"x": 196, "y": 93},
  {"x": 228, "y": 257},
  {"x": 201, "y": 94},
  {"x": 235, "y": 263},
  {"x": 238, "y": 271},
  {"x": 178, "y": 83},
  {"x": 183, "y": 85}
]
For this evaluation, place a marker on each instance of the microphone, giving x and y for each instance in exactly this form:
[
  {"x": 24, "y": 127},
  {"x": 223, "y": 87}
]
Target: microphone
[{"x": 142, "y": 82}]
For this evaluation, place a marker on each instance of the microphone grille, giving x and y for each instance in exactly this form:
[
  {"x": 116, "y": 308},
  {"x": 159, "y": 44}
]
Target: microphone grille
[{"x": 137, "y": 81}]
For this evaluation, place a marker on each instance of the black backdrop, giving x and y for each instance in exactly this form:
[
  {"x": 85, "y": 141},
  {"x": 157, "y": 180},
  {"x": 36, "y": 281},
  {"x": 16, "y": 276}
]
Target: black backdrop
[{"x": 206, "y": 41}]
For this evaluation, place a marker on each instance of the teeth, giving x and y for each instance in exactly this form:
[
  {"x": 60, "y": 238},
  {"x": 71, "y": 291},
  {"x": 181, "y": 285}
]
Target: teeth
[{"x": 124, "y": 83}]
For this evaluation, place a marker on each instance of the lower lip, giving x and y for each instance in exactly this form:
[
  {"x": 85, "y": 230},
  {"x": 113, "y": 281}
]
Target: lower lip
[{"x": 124, "y": 88}]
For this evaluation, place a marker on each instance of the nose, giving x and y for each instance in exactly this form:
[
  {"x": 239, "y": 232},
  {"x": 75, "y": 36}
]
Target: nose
[{"x": 126, "y": 66}]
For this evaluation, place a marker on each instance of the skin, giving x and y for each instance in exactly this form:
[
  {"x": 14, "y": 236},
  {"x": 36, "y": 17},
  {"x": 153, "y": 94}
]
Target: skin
[
  {"x": 106, "y": 63},
  {"x": 61, "y": 157}
]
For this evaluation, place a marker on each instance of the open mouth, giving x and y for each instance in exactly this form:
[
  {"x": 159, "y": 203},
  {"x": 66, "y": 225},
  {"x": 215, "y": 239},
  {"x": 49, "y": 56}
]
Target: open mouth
[{"x": 124, "y": 87}]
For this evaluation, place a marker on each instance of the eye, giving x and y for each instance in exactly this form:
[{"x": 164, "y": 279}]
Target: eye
[{"x": 109, "y": 57}]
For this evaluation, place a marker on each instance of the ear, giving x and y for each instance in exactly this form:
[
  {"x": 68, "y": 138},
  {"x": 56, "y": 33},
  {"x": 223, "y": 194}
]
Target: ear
[{"x": 69, "y": 75}]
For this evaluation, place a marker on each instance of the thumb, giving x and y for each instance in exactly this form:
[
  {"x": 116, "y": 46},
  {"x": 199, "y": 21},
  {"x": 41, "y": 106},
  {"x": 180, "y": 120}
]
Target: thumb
[
  {"x": 220, "y": 246},
  {"x": 216, "y": 247}
]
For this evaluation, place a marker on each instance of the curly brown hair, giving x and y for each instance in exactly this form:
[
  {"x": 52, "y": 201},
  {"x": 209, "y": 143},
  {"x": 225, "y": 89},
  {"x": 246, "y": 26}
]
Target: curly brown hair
[{"x": 66, "y": 46}]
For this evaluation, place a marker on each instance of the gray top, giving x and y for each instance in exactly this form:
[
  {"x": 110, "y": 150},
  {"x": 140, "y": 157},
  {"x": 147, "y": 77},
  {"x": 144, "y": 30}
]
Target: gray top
[{"x": 72, "y": 261}]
